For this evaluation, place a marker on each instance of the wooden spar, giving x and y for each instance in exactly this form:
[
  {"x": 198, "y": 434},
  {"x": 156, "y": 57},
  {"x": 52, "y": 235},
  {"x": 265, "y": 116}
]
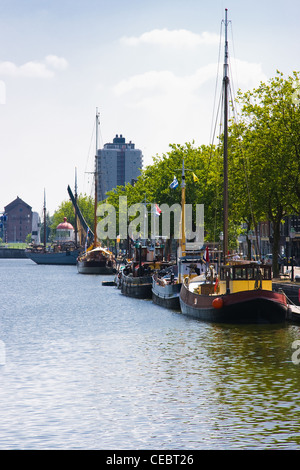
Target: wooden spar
[
  {"x": 96, "y": 181},
  {"x": 45, "y": 222},
  {"x": 76, "y": 228},
  {"x": 225, "y": 163},
  {"x": 183, "y": 239}
]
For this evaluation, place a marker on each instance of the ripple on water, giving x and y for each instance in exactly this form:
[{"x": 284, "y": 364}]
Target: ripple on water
[{"x": 89, "y": 368}]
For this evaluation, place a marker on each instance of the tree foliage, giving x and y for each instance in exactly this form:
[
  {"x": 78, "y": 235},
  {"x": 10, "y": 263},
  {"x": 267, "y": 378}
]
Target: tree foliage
[
  {"x": 153, "y": 185},
  {"x": 265, "y": 155},
  {"x": 66, "y": 209}
]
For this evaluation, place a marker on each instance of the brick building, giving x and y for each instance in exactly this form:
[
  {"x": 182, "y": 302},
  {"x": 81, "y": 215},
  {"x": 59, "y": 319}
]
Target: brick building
[{"x": 18, "y": 221}]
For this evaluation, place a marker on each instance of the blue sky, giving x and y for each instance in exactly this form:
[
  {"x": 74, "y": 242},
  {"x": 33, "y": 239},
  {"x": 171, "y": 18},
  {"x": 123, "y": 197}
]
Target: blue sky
[{"x": 150, "y": 67}]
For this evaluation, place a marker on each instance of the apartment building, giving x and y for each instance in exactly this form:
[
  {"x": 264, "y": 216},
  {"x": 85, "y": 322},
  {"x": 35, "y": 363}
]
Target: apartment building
[{"x": 118, "y": 163}]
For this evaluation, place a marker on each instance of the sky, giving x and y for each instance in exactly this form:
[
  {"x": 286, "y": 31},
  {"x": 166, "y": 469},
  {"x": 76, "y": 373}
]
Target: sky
[{"x": 150, "y": 67}]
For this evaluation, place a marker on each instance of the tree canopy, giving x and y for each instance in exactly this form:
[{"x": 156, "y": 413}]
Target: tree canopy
[
  {"x": 265, "y": 155},
  {"x": 66, "y": 209}
]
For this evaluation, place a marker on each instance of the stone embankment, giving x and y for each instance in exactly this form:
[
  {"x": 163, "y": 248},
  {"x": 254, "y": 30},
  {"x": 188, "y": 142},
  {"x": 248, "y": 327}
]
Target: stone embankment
[{"x": 12, "y": 253}]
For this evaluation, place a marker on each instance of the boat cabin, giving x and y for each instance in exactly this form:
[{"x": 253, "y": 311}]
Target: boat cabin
[
  {"x": 145, "y": 258},
  {"x": 240, "y": 277}
]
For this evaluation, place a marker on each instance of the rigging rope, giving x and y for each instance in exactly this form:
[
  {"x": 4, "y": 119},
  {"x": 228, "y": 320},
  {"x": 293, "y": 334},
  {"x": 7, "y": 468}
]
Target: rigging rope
[{"x": 213, "y": 132}]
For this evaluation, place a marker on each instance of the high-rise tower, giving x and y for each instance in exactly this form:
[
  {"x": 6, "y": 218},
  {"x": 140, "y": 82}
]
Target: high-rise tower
[{"x": 118, "y": 163}]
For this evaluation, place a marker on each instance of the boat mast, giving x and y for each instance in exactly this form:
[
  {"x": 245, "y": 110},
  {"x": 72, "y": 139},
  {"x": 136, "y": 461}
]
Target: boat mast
[
  {"x": 182, "y": 250},
  {"x": 76, "y": 228},
  {"x": 45, "y": 222},
  {"x": 183, "y": 240},
  {"x": 225, "y": 194},
  {"x": 96, "y": 181}
]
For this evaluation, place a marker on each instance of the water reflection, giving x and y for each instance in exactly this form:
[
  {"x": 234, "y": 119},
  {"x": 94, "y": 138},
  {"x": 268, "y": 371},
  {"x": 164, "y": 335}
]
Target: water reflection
[{"x": 87, "y": 368}]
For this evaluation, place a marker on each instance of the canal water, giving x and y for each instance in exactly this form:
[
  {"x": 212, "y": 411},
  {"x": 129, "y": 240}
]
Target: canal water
[{"x": 83, "y": 367}]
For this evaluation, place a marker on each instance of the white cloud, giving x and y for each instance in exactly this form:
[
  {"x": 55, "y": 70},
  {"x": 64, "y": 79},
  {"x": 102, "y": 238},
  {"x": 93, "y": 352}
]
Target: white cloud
[
  {"x": 152, "y": 84},
  {"x": 34, "y": 69},
  {"x": 175, "y": 38},
  {"x": 179, "y": 108},
  {"x": 56, "y": 62},
  {"x": 246, "y": 75}
]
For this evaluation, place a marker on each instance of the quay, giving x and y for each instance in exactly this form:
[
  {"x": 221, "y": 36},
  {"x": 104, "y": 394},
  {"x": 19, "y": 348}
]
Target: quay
[
  {"x": 15, "y": 253},
  {"x": 292, "y": 292},
  {"x": 289, "y": 287}
]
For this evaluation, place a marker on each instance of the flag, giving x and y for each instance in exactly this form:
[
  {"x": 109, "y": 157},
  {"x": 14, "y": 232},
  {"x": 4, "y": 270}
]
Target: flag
[
  {"x": 195, "y": 178},
  {"x": 157, "y": 210},
  {"x": 87, "y": 236},
  {"x": 174, "y": 183},
  {"x": 206, "y": 257}
]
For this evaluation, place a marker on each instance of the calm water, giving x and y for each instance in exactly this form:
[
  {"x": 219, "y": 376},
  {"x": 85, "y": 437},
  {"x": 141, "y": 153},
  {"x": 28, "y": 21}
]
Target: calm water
[{"x": 85, "y": 368}]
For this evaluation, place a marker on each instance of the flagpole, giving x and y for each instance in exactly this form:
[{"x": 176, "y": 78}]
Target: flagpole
[
  {"x": 183, "y": 240},
  {"x": 154, "y": 228}
]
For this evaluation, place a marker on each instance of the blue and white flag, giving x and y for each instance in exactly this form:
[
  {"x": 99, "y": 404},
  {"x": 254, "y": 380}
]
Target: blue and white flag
[
  {"x": 87, "y": 236},
  {"x": 174, "y": 183}
]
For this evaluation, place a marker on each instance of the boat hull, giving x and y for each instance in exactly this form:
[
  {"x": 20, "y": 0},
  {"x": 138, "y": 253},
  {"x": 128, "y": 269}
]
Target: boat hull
[
  {"x": 139, "y": 287},
  {"x": 94, "y": 267},
  {"x": 254, "y": 306},
  {"x": 166, "y": 296},
  {"x": 60, "y": 258}
]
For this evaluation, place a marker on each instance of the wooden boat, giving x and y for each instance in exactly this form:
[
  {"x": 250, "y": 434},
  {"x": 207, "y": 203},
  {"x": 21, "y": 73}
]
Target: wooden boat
[
  {"x": 239, "y": 293},
  {"x": 166, "y": 288},
  {"x": 166, "y": 283},
  {"x": 136, "y": 277},
  {"x": 139, "y": 286},
  {"x": 55, "y": 255},
  {"x": 96, "y": 259},
  {"x": 243, "y": 294}
]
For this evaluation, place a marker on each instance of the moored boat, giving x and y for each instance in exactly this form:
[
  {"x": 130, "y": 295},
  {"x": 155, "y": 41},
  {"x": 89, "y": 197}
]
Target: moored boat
[
  {"x": 63, "y": 251},
  {"x": 166, "y": 283},
  {"x": 242, "y": 295},
  {"x": 136, "y": 277},
  {"x": 96, "y": 259},
  {"x": 166, "y": 288},
  {"x": 139, "y": 287},
  {"x": 235, "y": 292},
  {"x": 55, "y": 255}
]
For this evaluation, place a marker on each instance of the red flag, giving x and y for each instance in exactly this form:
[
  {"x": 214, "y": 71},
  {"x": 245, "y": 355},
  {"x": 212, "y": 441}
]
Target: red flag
[
  {"x": 157, "y": 210},
  {"x": 206, "y": 255}
]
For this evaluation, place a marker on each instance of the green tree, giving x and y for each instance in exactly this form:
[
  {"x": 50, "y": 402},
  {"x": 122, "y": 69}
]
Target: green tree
[
  {"x": 66, "y": 209},
  {"x": 153, "y": 185},
  {"x": 265, "y": 155}
]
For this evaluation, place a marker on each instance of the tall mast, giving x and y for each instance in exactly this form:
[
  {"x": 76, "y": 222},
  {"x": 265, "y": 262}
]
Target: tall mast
[
  {"x": 45, "y": 221},
  {"x": 76, "y": 228},
  {"x": 225, "y": 195},
  {"x": 96, "y": 180},
  {"x": 183, "y": 240},
  {"x": 182, "y": 250}
]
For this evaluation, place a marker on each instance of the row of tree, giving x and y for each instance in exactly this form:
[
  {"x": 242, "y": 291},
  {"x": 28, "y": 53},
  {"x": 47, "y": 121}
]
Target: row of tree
[{"x": 264, "y": 167}]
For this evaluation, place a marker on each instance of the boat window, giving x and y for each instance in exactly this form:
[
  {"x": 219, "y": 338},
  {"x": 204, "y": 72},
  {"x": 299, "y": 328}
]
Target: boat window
[
  {"x": 239, "y": 273},
  {"x": 267, "y": 274},
  {"x": 246, "y": 272},
  {"x": 223, "y": 273}
]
